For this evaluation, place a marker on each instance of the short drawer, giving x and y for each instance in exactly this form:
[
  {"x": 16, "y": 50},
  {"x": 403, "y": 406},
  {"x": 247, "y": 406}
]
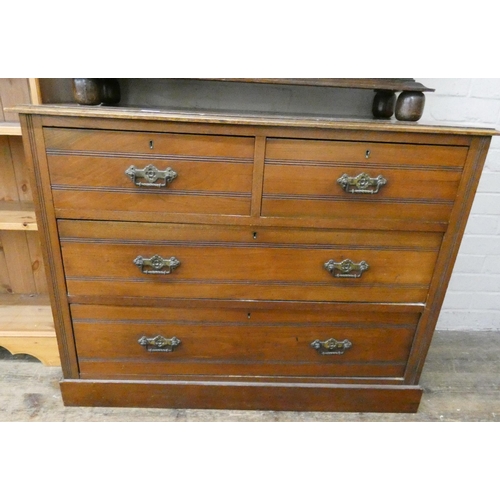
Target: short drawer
[
  {"x": 154, "y": 342},
  {"x": 98, "y": 173},
  {"x": 329, "y": 179},
  {"x": 228, "y": 262}
]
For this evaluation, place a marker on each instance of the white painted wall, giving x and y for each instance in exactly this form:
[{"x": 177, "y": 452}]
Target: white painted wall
[{"x": 473, "y": 298}]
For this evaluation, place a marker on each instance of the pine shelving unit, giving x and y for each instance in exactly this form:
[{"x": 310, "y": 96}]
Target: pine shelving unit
[{"x": 26, "y": 323}]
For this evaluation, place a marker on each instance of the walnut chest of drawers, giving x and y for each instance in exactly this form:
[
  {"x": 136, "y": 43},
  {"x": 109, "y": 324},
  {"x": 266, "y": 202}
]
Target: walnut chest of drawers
[{"x": 243, "y": 262}]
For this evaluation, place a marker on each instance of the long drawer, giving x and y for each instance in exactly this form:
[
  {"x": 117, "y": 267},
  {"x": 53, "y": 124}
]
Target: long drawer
[
  {"x": 335, "y": 179},
  {"x": 232, "y": 262},
  {"x": 153, "y": 342},
  {"x": 138, "y": 173}
]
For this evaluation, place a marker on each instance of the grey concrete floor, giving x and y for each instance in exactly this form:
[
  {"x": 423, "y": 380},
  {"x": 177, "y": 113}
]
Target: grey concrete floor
[{"x": 461, "y": 381}]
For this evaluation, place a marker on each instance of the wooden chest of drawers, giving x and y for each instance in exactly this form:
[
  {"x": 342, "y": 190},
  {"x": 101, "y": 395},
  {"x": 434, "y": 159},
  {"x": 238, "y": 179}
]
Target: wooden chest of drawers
[{"x": 206, "y": 261}]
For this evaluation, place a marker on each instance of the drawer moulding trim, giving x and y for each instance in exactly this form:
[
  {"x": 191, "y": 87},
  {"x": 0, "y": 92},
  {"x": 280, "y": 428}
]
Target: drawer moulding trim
[
  {"x": 165, "y": 192},
  {"x": 151, "y": 156},
  {"x": 158, "y": 279}
]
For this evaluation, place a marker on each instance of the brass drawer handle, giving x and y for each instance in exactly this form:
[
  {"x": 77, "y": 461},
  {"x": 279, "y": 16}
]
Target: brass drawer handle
[
  {"x": 157, "y": 264},
  {"x": 362, "y": 183},
  {"x": 151, "y": 174},
  {"x": 331, "y": 346},
  {"x": 346, "y": 269},
  {"x": 159, "y": 343}
]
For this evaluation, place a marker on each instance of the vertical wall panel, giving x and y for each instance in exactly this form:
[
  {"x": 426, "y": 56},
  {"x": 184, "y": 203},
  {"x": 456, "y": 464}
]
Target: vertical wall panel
[
  {"x": 13, "y": 91},
  {"x": 18, "y": 259}
]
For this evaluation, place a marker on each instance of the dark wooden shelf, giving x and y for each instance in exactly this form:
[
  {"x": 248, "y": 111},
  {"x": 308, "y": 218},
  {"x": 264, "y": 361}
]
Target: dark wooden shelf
[{"x": 394, "y": 84}]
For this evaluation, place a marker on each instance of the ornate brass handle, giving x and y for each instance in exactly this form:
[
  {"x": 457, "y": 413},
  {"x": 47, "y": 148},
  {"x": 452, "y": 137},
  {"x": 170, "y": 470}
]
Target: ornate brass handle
[
  {"x": 157, "y": 264},
  {"x": 362, "y": 183},
  {"x": 331, "y": 346},
  {"x": 346, "y": 269},
  {"x": 151, "y": 174},
  {"x": 159, "y": 343}
]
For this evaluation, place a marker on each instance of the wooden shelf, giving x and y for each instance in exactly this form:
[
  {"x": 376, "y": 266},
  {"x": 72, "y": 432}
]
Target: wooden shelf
[
  {"x": 395, "y": 84},
  {"x": 17, "y": 216},
  {"x": 27, "y": 327},
  {"x": 10, "y": 128}
]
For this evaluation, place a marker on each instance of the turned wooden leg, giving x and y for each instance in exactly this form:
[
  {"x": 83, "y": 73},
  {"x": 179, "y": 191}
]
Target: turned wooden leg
[
  {"x": 410, "y": 106},
  {"x": 384, "y": 103}
]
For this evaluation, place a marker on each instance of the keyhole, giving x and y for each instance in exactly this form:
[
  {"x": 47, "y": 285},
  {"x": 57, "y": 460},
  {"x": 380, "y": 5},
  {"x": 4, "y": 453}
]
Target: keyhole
[
  {"x": 254, "y": 236},
  {"x": 249, "y": 315},
  {"x": 368, "y": 153},
  {"x": 151, "y": 145}
]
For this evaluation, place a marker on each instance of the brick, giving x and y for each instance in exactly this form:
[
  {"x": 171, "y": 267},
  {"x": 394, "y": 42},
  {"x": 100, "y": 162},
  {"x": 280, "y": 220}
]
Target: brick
[
  {"x": 447, "y": 86},
  {"x": 492, "y": 163},
  {"x": 468, "y": 320},
  {"x": 486, "y": 204},
  {"x": 485, "y": 244},
  {"x": 461, "y": 282},
  {"x": 485, "y": 302},
  {"x": 469, "y": 263},
  {"x": 479, "y": 301},
  {"x": 489, "y": 183},
  {"x": 482, "y": 224},
  {"x": 466, "y": 111},
  {"x": 492, "y": 266},
  {"x": 486, "y": 87},
  {"x": 457, "y": 300},
  {"x": 495, "y": 142}
]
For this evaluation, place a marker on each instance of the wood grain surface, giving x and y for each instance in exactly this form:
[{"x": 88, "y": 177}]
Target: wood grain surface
[
  {"x": 239, "y": 342},
  {"x": 460, "y": 380},
  {"x": 235, "y": 263},
  {"x": 252, "y": 221},
  {"x": 228, "y": 118}
]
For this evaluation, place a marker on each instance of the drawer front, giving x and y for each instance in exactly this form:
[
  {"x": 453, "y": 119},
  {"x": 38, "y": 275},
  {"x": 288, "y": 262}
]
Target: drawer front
[
  {"x": 329, "y": 179},
  {"x": 73, "y": 141},
  {"x": 106, "y": 172},
  {"x": 191, "y": 261},
  {"x": 154, "y": 342}
]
